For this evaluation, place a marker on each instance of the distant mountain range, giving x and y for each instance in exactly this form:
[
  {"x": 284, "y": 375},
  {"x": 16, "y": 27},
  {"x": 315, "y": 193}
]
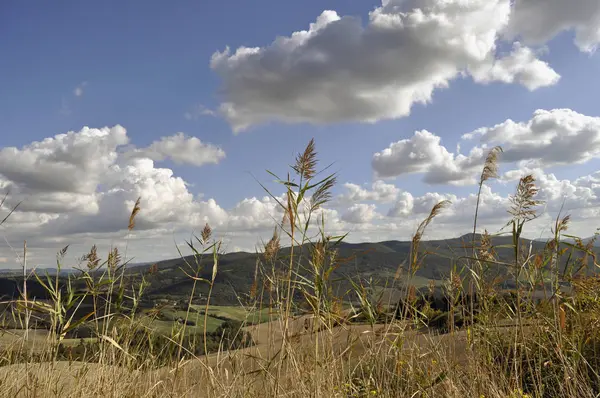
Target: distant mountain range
[
  {"x": 379, "y": 262},
  {"x": 40, "y": 271},
  {"x": 571, "y": 240}
]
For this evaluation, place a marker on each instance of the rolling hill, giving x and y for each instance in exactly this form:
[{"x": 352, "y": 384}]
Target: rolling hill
[{"x": 378, "y": 262}]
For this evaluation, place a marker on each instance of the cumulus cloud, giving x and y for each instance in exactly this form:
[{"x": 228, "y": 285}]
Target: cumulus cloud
[
  {"x": 561, "y": 194},
  {"x": 550, "y": 137},
  {"x": 423, "y": 153},
  {"x": 73, "y": 162},
  {"x": 403, "y": 206},
  {"x": 79, "y": 188},
  {"x": 520, "y": 66},
  {"x": 183, "y": 150},
  {"x": 254, "y": 213},
  {"x": 360, "y": 213},
  {"x": 537, "y": 21},
  {"x": 343, "y": 70},
  {"x": 380, "y": 192},
  {"x": 92, "y": 172},
  {"x": 96, "y": 210}
]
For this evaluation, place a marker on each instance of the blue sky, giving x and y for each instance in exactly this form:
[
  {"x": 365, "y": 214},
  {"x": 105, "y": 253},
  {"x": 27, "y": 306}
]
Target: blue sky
[{"x": 144, "y": 65}]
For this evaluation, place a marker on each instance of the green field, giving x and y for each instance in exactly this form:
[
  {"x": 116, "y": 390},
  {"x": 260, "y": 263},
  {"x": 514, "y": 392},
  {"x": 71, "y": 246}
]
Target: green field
[
  {"x": 217, "y": 314},
  {"x": 169, "y": 320},
  {"x": 238, "y": 313}
]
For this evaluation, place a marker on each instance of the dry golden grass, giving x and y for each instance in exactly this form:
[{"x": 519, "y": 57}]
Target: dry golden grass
[{"x": 492, "y": 345}]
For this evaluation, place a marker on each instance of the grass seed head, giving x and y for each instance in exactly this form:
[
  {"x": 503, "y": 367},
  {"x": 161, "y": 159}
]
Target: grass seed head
[
  {"x": 206, "y": 233},
  {"x": 134, "y": 213},
  {"x": 114, "y": 259},
  {"x": 306, "y": 162},
  {"x": 272, "y": 247},
  {"x": 523, "y": 203},
  {"x": 92, "y": 258},
  {"x": 490, "y": 167}
]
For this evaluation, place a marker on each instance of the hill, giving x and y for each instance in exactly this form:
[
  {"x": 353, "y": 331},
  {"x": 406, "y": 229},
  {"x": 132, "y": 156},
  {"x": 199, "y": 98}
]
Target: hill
[{"x": 378, "y": 262}]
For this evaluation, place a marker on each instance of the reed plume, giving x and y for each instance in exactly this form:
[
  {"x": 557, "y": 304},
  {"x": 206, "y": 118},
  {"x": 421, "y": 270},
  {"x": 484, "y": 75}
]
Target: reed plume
[{"x": 134, "y": 212}]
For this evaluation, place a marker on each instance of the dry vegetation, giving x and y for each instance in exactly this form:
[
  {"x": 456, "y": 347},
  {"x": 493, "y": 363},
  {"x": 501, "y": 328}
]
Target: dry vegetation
[{"x": 536, "y": 340}]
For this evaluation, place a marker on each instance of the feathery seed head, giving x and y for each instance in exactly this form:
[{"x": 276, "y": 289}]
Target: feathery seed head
[
  {"x": 272, "y": 246},
  {"x": 563, "y": 224},
  {"x": 435, "y": 211},
  {"x": 490, "y": 167},
  {"x": 322, "y": 194},
  {"x": 206, "y": 233},
  {"x": 92, "y": 258},
  {"x": 524, "y": 202},
  {"x": 306, "y": 162},
  {"x": 114, "y": 259},
  {"x": 134, "y": 213},
  {"x": 318, "y": 254}
]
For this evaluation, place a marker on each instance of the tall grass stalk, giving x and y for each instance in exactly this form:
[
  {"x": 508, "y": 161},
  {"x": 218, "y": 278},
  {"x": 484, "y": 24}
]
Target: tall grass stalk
[{"x": 330, "y": 333}]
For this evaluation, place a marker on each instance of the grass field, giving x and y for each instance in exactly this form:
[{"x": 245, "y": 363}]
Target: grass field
[
  {"x": 166, "y": 326},
  {"x": 477, "y": 339},
  {"x": 37, "y": 339},
  {"x": 239, "y": 313},
  {"x": 217, "y": 315}
]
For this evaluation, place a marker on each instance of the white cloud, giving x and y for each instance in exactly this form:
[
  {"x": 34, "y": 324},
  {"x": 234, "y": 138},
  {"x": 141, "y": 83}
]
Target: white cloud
[
  {"x": 424, "y": 203},
  {"x": 554, "y": 137},
  {"x": 556, "y": 193},
  {"x": 183, "y": 150},
  {"x": 78, "y": 91},
  {"x": 537, "y": 21},
  {"x": 73, "y": 162},
  {"x": 197, "y": 111},
  {"x": 403, "y": 207},
  {"x": 380, "y": 192},
  {"x": 342, "y": 70},
  {"x": 253, "y": 213},
  {"x": 95, "y": 209},
  {"x": 549, "y": 138},
  {"x": 104, "y": 177},
  {"x": 521, "y": 65},
  {"x": 424, "y": 153},
  {"x": 91, "y": 179},
  {"x": 360, "y": 213}
]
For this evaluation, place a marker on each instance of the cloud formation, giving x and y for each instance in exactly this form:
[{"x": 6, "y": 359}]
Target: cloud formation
[
  {"x": 343, "y": 70},
  {"x": 71, "y": 163},
  {"x": 424, "y": 153},
  {"x": 538, "y": 21},
  {"x": 360, "y": 213},
  {"x": 197, "y": 111},
  {"x": 93, "y": 207},
  {"x": 183, "y": 149},
  {"x": 380, "y": 192},
  {"x": 78, "y": 91},
  {"x": 550, "y": 138},
  {"x": 91, "y": 179},
  {"x": 520, "y": 66}
]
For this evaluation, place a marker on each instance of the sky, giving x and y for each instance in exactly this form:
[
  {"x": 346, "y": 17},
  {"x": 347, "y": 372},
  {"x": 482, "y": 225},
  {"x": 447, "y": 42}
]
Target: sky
[{"x": 186, "y": 105}]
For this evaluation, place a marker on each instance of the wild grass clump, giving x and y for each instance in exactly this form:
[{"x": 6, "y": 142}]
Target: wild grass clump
[{"x": 492, "y": 327}]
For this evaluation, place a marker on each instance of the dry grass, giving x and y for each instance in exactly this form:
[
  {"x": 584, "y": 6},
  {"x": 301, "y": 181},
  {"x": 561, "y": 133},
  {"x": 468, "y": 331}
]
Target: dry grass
[{"x": 487, "y": 344}]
